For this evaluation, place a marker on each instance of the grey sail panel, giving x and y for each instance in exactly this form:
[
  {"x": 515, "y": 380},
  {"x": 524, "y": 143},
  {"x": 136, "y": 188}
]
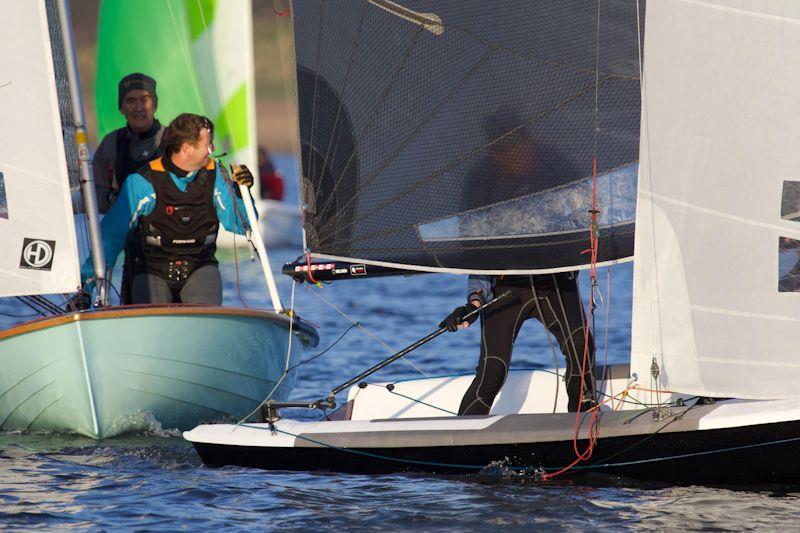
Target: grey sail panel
[{"x": 460, "y": 135}]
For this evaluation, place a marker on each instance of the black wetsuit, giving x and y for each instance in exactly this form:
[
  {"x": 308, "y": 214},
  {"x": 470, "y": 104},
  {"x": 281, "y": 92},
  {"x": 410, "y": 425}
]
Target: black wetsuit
[{"x": 551, "y": 299}]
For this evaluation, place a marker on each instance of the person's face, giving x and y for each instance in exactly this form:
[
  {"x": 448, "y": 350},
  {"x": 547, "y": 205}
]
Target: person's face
[
  {"x": 513, "y": 158},
  {"x": 197, "y": 155},
  {"x": 138, "y": 108}
]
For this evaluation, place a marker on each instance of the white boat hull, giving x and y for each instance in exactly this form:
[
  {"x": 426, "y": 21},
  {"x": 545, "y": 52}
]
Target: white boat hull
[{"x": 728, "y": 442}]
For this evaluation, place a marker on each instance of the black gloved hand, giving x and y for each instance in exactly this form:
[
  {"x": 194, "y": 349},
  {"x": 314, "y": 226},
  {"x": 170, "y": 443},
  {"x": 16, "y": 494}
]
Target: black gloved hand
[
  {"x": 80, "y": 301},
  {"x": 242, "y": 175},
  {"x": 456, "y": 318}
]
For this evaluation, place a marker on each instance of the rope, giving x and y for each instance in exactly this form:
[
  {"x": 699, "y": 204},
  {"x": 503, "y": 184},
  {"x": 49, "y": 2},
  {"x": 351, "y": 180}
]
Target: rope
[
  {"x": 323, "y": 352},
  {"x": 286, "y": 368},
  {"x": 685, "y": 455},
  {"x": 524, "y": 469},
  {"x": 426, "y": 404},
  {"x": 308, "y": 263},
  {"x": 282, "y": 12},
  {"x": 376, "y": 455},
  {"x": 365, "y": 330},
  {"x": 594, "y": 241}
]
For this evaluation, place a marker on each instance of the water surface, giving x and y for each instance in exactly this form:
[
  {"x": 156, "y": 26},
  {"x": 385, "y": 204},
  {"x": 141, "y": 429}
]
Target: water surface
[{"x": 153, "y": 479}]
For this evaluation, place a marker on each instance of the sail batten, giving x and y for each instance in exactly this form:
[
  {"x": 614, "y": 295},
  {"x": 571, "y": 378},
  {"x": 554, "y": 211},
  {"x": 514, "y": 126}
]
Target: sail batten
[{"x": 402, "y": 128}]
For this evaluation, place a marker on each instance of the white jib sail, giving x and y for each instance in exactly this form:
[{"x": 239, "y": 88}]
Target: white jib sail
[
  {"x": 37, "y": 229},
  {"x": 717, "y": 251}
]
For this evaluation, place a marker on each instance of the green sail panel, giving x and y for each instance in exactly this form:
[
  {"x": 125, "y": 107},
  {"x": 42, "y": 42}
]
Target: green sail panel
[
  {"x": 144, "y": 37},
  {"x": 200, "y": 55}
]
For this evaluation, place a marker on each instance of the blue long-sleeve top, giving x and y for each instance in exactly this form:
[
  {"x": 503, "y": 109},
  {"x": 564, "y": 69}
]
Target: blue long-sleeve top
[
  {"x": 137, "y": 198},
  {"x": 480, "y": 287}
]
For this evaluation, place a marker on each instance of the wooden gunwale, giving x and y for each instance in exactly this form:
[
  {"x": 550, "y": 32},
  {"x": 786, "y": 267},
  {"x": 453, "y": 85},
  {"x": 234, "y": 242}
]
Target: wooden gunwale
[{"x": 132, "y": 311}]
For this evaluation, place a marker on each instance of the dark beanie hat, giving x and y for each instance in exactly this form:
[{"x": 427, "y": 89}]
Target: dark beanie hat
[{"x": 134, "y": 81}]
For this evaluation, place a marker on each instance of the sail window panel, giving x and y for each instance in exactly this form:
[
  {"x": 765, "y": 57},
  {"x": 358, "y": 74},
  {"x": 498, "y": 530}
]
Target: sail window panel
[
  {"x": 3, "y": 198},
  {"x": 790, "y": 201},
  {"x": 402, "y": 126},
  {"x": 564, "y": 209},
  {"x": 788, "y": 264}
]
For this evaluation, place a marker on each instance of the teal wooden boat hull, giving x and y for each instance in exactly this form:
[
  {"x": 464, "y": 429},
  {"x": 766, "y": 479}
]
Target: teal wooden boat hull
[{"x": 101, "y": 373}]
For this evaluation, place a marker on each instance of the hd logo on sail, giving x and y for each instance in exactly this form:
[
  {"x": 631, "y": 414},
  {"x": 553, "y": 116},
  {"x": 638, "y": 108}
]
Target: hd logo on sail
[{"x": 37, "y": 254}]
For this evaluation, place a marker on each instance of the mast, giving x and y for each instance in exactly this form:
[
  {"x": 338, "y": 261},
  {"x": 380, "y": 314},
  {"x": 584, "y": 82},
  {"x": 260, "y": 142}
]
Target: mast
[
  {"x": 258, "y": 240},
  {"x": 87, "y": 179}
]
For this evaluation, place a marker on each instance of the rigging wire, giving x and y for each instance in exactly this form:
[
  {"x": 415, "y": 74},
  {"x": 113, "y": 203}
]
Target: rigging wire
[
  {"x": 286, "y": 364},
  {"x": 33, "y": 304},
  {"x": 13, "y": 315},
  {"x": 364, "y": 329},
  {"x": 655, "y": 330},
  {"x": 323, "y": 352},
  {"x": 415, "y": 400},
  {"x": 185, "y": 52},
  {"x": 594, "y": 243}
]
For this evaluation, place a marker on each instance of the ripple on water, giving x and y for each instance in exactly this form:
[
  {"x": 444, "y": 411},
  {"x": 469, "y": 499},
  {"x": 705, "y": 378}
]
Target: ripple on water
[{"x": 156, "y": 481}]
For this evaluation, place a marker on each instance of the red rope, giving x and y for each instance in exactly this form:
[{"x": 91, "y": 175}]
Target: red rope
[
  {"x": 308, "y": 263},
  {"x": 241, "y": 217},
  {"x": 280, "y": 13},
  {"x": 594, "y": 430}
]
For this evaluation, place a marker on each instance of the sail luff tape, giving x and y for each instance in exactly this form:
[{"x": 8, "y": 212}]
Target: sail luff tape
[
  {"x": 81, "y": 137},
  {"x": 429, "y": 21}
]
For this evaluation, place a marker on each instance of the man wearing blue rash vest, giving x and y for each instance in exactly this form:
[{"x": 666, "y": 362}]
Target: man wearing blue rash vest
[{"x": 170, "y": 211}]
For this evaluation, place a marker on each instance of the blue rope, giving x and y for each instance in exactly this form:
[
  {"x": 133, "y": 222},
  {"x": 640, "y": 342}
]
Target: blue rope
[
  {"x": 520, "y": 468},
  {"x": 682, "y": 456},
  {"x": 379, "y": 456}
]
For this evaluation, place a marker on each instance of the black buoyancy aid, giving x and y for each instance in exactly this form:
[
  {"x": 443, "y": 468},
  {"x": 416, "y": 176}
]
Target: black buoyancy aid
[
  {"x": 179, "y": 235},
  {"x": 125, "y": 163}
]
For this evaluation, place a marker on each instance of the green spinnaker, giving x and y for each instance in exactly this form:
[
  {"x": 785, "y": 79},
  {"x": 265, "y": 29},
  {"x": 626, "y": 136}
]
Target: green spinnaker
[{"x": 170, "y": 40}]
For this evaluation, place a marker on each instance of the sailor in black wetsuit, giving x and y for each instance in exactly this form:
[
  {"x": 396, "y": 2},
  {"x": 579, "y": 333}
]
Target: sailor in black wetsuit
[
  {"x": 553, "y": 300},
  {"x": 512, "y": 168}
]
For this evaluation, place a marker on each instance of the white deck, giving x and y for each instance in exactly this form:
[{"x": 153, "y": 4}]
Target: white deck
[{"x": 524, "y": 392}]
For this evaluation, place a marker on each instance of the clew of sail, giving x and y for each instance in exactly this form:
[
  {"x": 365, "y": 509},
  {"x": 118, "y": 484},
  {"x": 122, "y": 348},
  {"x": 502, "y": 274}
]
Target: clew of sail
[
  {"x": 713, "y": 303},
  {"x": 37, "y": 228},
  {"x": 199, "y": 52},
  {"x": 461, "y": 136}
]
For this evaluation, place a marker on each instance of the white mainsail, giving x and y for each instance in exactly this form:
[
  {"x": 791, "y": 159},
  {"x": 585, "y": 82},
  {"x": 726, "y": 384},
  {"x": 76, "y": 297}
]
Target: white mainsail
[
  {"x": 720, "y": 131},
  {"x": 37, "y": 229}
]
